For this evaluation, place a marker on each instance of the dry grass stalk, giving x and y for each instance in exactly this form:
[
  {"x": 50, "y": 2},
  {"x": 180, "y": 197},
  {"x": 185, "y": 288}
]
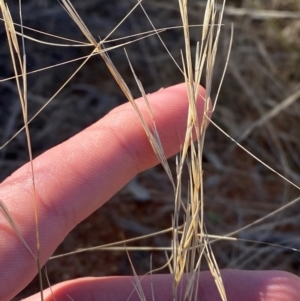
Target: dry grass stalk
[
  {"x": 152, "y": 134},
  {"x": 19, "y": 62},
  {"x": 188, "y": 244}
]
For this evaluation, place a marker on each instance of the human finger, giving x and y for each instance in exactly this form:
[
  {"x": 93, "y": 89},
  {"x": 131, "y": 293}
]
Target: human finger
[
  {"x": 239, "y": 285},
  {"x": 76, "y": 177}
]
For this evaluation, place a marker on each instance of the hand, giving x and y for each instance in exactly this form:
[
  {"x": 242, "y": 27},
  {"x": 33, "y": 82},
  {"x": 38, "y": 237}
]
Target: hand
[{"x": 78, "y": 176}]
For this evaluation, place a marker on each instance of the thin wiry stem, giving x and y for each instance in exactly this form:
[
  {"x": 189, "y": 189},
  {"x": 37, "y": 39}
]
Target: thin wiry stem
[{"x": 19, "y": 61}]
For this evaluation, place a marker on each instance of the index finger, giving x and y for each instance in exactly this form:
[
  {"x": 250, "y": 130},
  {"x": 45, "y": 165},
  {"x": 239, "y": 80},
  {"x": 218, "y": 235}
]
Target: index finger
[{"x": 76, "y": 177}]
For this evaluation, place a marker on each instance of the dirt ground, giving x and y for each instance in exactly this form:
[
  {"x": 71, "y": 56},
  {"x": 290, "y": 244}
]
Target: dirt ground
[{"x": 258, "y": 106}]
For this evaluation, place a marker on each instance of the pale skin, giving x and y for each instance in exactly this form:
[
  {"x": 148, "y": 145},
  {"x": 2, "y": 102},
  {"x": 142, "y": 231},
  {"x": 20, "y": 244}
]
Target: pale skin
[{"x": 76, "y": 177}]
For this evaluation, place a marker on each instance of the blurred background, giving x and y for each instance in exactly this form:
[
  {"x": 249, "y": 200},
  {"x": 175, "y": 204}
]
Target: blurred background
[{"x": 258, "y": 106}]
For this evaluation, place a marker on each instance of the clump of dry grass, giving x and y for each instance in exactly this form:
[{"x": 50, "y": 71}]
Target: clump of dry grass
[{"x": 190, "y": 240}]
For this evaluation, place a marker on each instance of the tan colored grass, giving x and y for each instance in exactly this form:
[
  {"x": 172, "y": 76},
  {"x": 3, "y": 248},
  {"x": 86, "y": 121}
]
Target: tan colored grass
[
  {"x": 188, "y": 245},
  {"x": 18, "y": 57}
]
